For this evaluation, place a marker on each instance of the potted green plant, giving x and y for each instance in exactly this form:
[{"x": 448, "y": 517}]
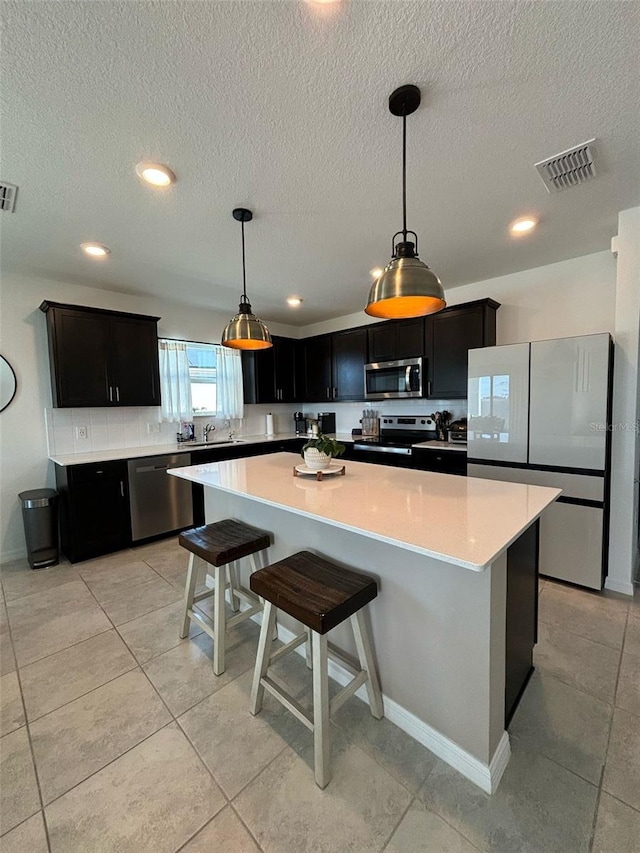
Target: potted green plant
[{"x": 319, "y": 451}]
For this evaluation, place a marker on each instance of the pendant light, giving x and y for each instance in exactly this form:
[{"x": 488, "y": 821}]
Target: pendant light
[
  {"x": 245, "y": 330},
  {"x": 406, "y": 287}
]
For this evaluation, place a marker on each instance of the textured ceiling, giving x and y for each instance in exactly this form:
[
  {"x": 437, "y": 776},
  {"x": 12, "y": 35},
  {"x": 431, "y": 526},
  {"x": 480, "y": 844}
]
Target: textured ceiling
[{"x": 281, "y": 107}]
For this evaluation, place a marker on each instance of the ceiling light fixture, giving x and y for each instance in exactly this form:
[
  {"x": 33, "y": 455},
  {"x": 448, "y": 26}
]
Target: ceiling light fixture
[
  {"x": 294, "y": 301},
  {"x": 406, "y": 287},
  {"x": 245, "y": 330},
  {"x": 522, "y": 226},
  {"x": 155, "y": 174},
  {"x": 95, "y": 250}
]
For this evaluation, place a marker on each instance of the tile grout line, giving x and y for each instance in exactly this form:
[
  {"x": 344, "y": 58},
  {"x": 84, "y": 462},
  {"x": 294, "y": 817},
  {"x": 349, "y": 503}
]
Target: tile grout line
[
  {"x": 606, "y": 753},
  {"x": 239, "y": 816},
  {"x": 386, "y": 843},
  {"x": 30, "y": 742},
  {"x": 172, "y": 720},
  {"x": 108, "y": 764},
  {"x": 557, "y": 626},
  {"x": 87, "y": 692}
]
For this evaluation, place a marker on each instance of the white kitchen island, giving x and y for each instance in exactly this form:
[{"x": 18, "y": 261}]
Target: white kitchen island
[{"x": 452, "y": 555}]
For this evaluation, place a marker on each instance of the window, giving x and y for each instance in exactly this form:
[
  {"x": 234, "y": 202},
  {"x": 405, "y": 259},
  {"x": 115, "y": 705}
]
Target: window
[
  {"x": 202, "y": 360},
  {"x": 199, "y": 380}
]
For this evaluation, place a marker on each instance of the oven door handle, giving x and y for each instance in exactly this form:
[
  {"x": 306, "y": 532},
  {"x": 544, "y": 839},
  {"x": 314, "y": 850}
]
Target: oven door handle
[{"x": 406, "y": 451}]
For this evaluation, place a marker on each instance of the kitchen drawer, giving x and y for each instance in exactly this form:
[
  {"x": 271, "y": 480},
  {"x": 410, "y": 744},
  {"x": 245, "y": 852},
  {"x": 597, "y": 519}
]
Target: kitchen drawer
[
  {"x": 572, "y": 485},
  {"x": 571, "y": 540},
  {"x": 440, "y": 461},
  {"x": 79, "y": 474}
]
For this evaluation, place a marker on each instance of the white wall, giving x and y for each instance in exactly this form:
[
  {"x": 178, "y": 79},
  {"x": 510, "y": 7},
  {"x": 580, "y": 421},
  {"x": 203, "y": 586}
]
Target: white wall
[
  {"x": 23, "y": 342},
  {"x": 625, "y": 447},
  {"x": 575, "y": 297}
]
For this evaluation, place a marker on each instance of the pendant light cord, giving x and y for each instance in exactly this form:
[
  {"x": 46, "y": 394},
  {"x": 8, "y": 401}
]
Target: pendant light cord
[
  {"x": 244, "y": 272},
  {"x": 404, "y": 176}
]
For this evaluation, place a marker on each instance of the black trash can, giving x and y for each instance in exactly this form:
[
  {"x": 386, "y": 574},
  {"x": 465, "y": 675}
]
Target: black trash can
[{"x": 40, "y": 516}]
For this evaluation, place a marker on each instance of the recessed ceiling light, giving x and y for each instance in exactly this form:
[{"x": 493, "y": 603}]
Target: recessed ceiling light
[
  {"x": 522, "y": 226},
  {"x": 155, "y": 174},
  {"x": 376, "y": 272},
  {"x": 294, "y": 301},
  {"x": 95, "y": 250}
]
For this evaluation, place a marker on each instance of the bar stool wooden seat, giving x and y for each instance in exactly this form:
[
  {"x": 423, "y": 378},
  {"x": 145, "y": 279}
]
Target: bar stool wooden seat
[
  {"x": 321, "y": 595},
  {"x": 221, "y": 545}
]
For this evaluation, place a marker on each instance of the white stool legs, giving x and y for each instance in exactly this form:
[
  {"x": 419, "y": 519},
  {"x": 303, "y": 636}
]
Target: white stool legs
[
  {"x": 322, "y": 707},
  {"x": 217, "y": 627},
  {"x": 321, "y": 728}
]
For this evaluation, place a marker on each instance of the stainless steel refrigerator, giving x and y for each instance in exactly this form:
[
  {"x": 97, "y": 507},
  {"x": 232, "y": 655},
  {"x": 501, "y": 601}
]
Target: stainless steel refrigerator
[{"x": 540, "y": 413}]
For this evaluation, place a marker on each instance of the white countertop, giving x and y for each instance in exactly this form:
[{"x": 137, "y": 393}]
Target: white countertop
[
  {"x": 187, "y": 446},
  {"x": 162, "y": 449},
  {"x": 462, "y": 520}
]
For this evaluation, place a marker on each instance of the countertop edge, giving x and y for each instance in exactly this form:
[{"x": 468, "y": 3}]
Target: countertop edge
[{"x": 446, "y": 558}]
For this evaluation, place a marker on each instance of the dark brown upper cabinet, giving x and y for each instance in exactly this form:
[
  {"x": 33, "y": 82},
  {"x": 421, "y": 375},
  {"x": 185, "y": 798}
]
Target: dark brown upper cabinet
[
  {"x": 317, "y": 373},
  {"x": 396, "y": 339},
  {"x": 450, "y": 335},
  {"x": 349, "y": 353},
  {"x": 269, "y": 375},
  {"x": 102, "y": 358}
]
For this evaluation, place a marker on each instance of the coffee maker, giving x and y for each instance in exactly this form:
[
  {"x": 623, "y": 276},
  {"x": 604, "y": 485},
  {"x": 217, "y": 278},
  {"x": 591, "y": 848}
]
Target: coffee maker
[
  {"x": 300, "y": 423},
  {"x": 327, "y": 422}
]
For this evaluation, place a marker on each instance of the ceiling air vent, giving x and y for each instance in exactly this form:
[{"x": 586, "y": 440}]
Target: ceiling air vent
[
  {"x": 569, "y": 168},
  {"x": 8, "y": 193}
]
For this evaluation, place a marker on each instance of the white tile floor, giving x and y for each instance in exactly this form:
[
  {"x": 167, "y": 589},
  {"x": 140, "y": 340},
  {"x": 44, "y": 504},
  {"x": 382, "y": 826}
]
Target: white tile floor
[{"x": 116, "y": 735}]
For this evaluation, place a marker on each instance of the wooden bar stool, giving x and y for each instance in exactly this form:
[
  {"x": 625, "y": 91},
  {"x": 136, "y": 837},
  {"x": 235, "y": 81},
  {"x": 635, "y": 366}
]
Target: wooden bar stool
[
  {"x": 321, "y": 595},
  {"x": 221, "y": 545}
]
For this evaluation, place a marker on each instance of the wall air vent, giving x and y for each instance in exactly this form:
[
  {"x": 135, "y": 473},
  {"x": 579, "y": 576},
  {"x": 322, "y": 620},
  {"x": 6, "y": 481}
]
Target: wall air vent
[
  {"x": 569, "y": 168},
  {"x": 8, "y": 193}
]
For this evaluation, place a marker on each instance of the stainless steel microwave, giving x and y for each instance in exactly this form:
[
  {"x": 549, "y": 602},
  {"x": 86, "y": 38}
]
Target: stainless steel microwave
[{"x": 386, "y": 380}]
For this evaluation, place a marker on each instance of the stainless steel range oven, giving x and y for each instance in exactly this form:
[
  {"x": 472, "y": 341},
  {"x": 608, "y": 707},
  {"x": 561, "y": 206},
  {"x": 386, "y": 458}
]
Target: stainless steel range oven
[
  {"x": 385, "y": 380},
  {"x": 397, "y": 435}
]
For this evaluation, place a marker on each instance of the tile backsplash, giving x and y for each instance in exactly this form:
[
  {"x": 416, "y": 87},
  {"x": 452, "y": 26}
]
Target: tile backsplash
[{"x": 113, "y": 429}]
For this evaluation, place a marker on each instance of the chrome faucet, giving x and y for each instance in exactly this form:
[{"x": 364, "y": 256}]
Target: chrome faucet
[
  {"x": 206, "y": 430},
  {"x": 227, "y": 424}
]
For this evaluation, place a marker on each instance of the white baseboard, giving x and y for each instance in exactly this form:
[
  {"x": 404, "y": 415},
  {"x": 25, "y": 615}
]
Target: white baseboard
[
  {"x": 485, "y": 776},
  {"x": 625, "y": 587}
]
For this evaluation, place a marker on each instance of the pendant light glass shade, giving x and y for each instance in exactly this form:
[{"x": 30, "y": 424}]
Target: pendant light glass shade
[
  {"x": 245, "y": 331},
  {"x": 406, "y": 287}
]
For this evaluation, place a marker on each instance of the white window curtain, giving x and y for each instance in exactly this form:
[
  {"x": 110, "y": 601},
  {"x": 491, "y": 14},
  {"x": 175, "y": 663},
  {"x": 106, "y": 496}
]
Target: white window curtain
[
  {"x": 230, "y": 401},
  {"x": 174, "y": 381}
]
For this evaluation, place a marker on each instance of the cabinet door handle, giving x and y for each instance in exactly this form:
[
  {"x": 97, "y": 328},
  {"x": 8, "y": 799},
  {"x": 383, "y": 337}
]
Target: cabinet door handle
[
  {"x": 117, "y": 394},
  {"x": 335, "y": 393},
  {"x": 110, "y": 393},
  {"x": 428, "y": 387},
  {"x": 328, "y": 393},
  {"x": 121, "y": 488}
]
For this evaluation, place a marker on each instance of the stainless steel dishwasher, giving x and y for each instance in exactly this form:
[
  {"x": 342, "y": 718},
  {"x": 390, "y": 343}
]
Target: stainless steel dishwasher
[{"x": 159, "y": 502}]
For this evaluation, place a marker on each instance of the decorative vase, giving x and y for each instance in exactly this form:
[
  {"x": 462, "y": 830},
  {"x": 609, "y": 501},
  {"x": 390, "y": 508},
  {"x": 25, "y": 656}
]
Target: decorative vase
[{"x": 316, "y": 461}]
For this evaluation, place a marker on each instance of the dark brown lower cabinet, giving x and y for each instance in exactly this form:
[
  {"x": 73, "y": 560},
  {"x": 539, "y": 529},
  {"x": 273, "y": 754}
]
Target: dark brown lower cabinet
[
  {"x": 94, "y": 509},
  {"x": 522, "y": 615},
  {"x": 440, "y": 461}
]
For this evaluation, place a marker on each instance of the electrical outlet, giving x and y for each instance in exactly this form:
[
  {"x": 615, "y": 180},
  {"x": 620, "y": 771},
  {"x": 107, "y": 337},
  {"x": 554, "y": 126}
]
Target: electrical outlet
[
  {"x": 82, "y": 432},
  {"x": 153, "y": 429}
]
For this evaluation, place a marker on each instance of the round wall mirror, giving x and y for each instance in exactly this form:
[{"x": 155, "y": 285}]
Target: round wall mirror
[{"x": 8, "y": 383}]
